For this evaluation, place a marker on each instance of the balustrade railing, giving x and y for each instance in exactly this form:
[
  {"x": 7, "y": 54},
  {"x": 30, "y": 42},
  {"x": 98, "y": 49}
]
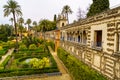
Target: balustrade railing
[{"x": 97, "y": 45}]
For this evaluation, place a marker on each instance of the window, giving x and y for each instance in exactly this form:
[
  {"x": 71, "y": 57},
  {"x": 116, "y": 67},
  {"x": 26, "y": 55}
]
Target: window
[
  {"x": 98, "y": 38},
  {"x": 84, "y": 37},
  {"x": 63, "y": 24},
  {"x": 79, "y": 38}
]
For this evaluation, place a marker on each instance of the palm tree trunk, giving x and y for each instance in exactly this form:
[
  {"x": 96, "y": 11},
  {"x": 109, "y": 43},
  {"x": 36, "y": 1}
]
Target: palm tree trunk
[
  {"x": 21, "y": 33},
  {"x": 15, "y": 30},
  {"x": 28, "y": 30},
  {"x": 67, "y": 17}
]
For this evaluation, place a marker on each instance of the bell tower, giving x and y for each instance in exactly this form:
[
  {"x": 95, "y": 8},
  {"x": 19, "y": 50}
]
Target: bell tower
[{"x": 61, "y": 21}]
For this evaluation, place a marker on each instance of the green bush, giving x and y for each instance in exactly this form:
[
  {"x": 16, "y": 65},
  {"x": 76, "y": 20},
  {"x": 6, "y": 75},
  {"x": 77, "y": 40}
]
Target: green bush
[
  {"x": 1, "y": 48},
  {"x": 0, "y": 57},
  {"x": 10, "y": 44},
  {"x": 26, "y": 71},
  {"x": 51, "y": 44},
  {"x": 22, "y": 47},
  {"x": 78, "y": 69},
  {"x": 3, "y": 52},
  {"x": 32, "y": 47},
  {"x": 4, "y": 63}
]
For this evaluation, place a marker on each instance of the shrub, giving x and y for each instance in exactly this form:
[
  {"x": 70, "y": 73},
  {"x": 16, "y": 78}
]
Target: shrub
[
  {"x": 41, "y": 47},
  {"x": 40, "y": 63},
  {"x": 78, "y": 69},
  {"x": 5, "y": 61},
  {"x": 11, "y": 44},
  {"x": 1, "y": 48},
  {"x": 51, "y": 44},
  {"x": 32, "y": 47},
  {"x": 22, "y": 47}
]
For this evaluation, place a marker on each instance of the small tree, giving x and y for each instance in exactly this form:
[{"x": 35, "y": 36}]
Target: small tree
[{"x": 81, "y": 14}]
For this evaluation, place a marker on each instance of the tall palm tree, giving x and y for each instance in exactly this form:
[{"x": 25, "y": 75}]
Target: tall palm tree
[
  {"x": 13, "y": 8},
  {"x": 66, "y": 10},
  {"x": 21, "y": 21},
  {"x": 11, "y": 19},
  {"x": 28, "y": 22},
  {"x": 35, "y": 27}
]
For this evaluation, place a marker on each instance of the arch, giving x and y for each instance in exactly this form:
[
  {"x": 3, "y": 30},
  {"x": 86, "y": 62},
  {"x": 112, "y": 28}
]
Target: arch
[{"x": 63, "y": 24}]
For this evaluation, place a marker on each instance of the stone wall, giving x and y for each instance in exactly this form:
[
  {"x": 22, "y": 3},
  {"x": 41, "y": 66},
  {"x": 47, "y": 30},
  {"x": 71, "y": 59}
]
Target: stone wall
[
  {"x": 106, "y": 64},
  {"x": 81, "y": 39}
]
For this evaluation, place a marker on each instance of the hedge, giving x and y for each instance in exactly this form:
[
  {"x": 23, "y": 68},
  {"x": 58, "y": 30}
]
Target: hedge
[
  {"x": 27, "y": 71},
  {"x": 51, "y": 44},
  {"x": 3, "y": 52},
  {"x": 4, "y": 63},
  {"x": 78, "y": 69}
]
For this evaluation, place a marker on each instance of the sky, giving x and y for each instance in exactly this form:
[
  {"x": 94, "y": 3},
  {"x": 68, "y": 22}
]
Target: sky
[{"x": 45, "y": 9}]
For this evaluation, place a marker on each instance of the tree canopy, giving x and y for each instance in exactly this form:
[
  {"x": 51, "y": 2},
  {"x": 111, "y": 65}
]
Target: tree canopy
[
  {"x": 98, "y": 6},
  {"x": 12, "y": 7},
  {"x": 46, "y": 25},
  {"x": 67, "y": 10}
]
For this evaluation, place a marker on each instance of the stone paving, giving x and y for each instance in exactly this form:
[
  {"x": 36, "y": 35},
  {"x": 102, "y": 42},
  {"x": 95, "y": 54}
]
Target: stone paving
[{"x": 8, "y": 53}]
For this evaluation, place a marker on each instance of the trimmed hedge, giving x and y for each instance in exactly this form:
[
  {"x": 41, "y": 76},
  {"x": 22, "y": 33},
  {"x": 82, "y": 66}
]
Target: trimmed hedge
[
  {"x": 27, "y": 71},
  {"x": 78, "y": 69},
  {"x": 4, "y": 63},
  {"x": 3, "y": 52},
  {"x": 51, "y": 44}
]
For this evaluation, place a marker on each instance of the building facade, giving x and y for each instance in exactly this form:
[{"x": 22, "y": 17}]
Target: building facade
[{"x": 94, "y": 40}]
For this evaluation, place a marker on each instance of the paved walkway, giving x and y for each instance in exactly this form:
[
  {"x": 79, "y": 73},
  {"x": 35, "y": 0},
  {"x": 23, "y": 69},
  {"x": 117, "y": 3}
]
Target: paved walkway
[{"x": 8, "y": 53}]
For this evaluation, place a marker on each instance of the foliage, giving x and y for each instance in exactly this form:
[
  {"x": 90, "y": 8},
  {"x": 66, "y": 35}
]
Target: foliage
[
  {"x": 40, "y": 63},
  {"x": 98, "y": 6},
  {"x": 81, "y": 14},
  {"x": 10, "y": 44},
  {"x": 26, "y": 71},
  {"x": 31, "y": 40},
  {"x": 32, "y": 47},
  {"x": 1, "y": 48},
  {"x": 46, "y": 25},
  {"x": 21, "y": 21},
  {"x": 55, "y": 18},
  {"x": 66, "y": 10},
  {"x": 4, "y": 63},
  {"x": 18, "y": 67},
  {"x": 13, "y": 8},
  {"x": 51, "y": 44},
  {"x": 5, "y": 32},
  {"x": 22, "y": 47},
  {"x": 78, "y": 69}
]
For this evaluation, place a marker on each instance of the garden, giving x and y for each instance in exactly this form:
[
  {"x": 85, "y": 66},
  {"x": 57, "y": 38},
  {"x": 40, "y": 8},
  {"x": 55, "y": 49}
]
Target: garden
[{"x": 33, "y": 57}]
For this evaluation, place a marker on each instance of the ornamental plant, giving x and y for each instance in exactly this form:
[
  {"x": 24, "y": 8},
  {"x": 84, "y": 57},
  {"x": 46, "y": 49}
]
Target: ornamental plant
[
  {"x": 32, "y": 47},
  {"x": 1, "y": 48},
  {"x": 22, "y": 47}
]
